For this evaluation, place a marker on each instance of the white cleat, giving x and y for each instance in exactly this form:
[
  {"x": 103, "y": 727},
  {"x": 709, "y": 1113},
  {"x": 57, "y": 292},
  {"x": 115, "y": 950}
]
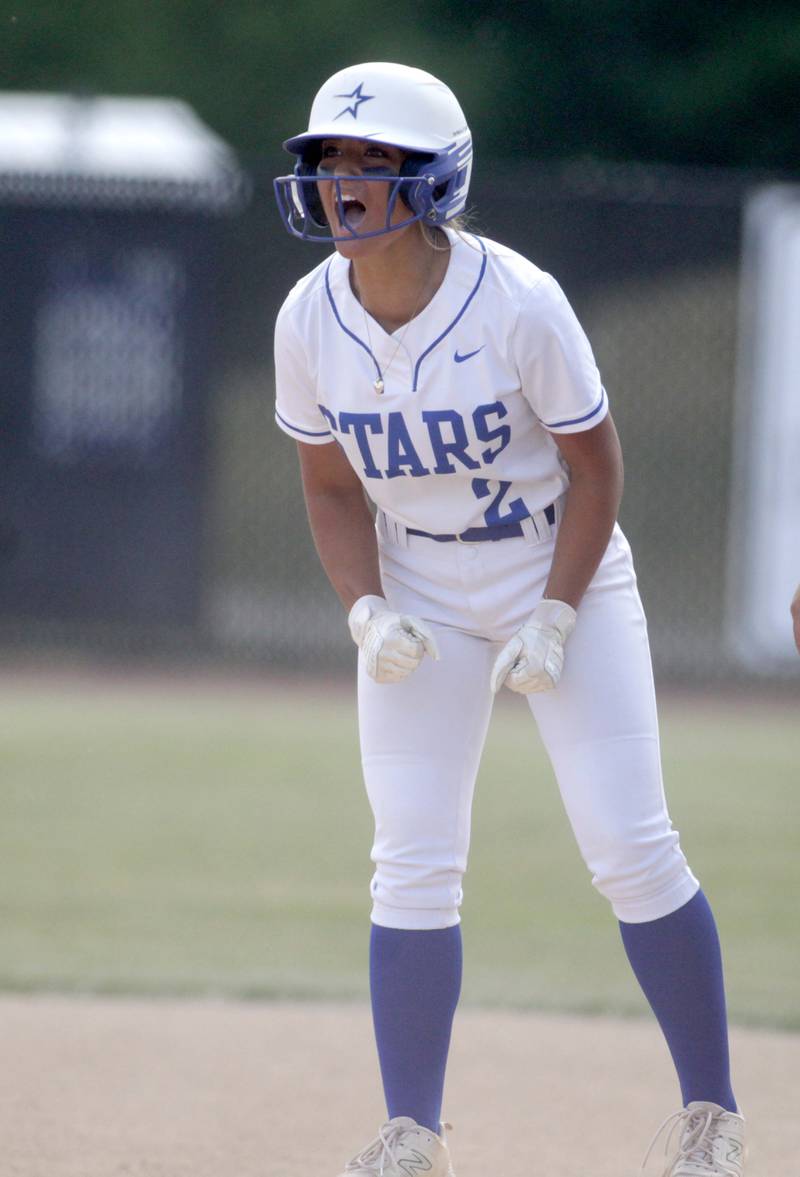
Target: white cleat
[
  {"x": 710, "y": 1142},
  {"x": 402, "y": 1148}
]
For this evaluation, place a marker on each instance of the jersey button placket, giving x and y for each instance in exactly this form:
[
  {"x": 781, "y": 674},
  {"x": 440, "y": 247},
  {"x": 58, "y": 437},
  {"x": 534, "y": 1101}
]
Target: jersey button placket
[{"x": 396, "y": 365}]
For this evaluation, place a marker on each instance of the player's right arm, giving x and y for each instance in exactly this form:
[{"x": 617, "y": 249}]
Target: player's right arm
[
  {"x": 341, "y": 522},
  {"x": 392, "y": 644}
]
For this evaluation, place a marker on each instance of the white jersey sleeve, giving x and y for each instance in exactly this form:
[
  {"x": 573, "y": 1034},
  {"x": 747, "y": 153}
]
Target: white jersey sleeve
[
  {"x": 558, "y": 374},
  {"x": 297, "y": 411}
]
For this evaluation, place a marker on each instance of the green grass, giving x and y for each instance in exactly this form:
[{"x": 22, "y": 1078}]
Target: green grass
[{"x": 170, "y": 838}]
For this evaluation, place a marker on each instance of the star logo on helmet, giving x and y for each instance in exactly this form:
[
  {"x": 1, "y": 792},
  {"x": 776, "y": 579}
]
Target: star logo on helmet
[{"x": 359, "y": 99}]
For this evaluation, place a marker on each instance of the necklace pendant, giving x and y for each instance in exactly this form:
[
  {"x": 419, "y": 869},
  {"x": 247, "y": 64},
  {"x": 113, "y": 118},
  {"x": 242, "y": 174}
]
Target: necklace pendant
[{"x": 378, "y": 386}]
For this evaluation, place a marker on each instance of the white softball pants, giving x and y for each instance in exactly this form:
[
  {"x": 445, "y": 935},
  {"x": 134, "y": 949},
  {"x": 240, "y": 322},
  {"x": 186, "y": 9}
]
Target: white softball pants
[{"x": 421, "y": 739}]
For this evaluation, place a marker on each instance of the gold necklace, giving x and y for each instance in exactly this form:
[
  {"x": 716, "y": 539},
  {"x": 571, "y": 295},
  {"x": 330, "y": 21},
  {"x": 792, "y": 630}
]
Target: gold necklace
[{"x": 379, "y": 384}]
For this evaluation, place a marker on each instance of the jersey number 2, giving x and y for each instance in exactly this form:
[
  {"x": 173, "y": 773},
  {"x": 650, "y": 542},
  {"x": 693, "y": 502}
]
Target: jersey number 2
[{"x": 516, "y": 508}]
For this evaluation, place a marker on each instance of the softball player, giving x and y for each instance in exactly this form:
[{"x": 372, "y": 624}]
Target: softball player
[{"x": 447, "y": 377}]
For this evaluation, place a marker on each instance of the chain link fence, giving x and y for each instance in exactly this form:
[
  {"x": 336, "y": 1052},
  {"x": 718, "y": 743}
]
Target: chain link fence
[{"x": 649, "y": 258}]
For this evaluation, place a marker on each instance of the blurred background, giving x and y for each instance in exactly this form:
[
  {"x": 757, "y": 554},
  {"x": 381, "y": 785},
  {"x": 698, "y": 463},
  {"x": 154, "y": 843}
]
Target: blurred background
[
  {"x": 159, "y": 836},
  {"x": 646, "y": 154}
]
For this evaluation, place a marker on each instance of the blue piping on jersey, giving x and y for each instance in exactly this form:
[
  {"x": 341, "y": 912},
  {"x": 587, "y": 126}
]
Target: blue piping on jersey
[
  {"x": 346, "y": 330},
  {"x": 578, "y": 420},
  {"x": 307, "y": 432},
  {"x": 447, "y": 330},
  {"x": 428, "y": 350}
]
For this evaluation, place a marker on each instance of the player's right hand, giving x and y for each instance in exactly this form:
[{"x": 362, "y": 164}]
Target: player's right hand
[{"x": 393, "y": 644}]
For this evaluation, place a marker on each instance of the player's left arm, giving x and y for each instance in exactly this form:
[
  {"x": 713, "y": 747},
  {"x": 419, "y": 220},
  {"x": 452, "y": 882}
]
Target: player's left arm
[
  {"x": 560, "y": 380},
  {"x": 532, "y": 660},
  {"x": 594, "y": 457}
]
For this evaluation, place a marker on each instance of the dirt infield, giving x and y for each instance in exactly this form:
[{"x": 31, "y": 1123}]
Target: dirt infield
[{"x": 100, "y": 1088}]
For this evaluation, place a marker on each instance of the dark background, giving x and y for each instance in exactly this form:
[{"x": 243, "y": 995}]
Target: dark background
[
  {"x": 709, "y": 83},
  {"x": 617, "y": 145}
]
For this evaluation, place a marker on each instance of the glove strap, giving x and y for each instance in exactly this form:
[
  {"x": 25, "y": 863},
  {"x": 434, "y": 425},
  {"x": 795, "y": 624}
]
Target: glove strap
[{"x": 557, "y": 614}]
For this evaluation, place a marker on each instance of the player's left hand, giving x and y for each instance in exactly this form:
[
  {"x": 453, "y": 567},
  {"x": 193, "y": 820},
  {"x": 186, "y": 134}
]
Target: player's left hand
[{"x": 533, "y": 659}]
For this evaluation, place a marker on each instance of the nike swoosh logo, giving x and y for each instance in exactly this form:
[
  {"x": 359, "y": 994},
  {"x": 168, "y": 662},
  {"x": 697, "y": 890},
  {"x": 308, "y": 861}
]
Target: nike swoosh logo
[{"x": 460, "y": 359}]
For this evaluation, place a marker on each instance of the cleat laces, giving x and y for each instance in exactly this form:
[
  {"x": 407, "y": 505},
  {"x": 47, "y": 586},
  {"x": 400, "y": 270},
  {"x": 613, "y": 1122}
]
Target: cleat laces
[
  {"x": 695, "y": 1155},
  {"x": 381, "y": 1152}
]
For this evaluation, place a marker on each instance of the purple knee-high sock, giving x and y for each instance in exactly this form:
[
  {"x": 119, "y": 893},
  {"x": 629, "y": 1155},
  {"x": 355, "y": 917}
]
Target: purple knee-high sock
[
  {"x": 677, "y": 962},
  {"x": 415, "y": 981}
]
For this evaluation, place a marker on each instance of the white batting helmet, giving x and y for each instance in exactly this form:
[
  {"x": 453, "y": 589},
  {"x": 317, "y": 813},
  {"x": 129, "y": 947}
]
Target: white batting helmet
[{"x": 396, "y": 105}]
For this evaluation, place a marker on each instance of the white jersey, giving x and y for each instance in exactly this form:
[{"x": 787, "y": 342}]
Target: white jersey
[{"x": 474, "y": 386}]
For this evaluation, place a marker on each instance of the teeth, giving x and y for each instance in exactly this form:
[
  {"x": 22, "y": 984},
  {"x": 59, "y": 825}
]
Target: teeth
[{"x": 354, "y": 211}]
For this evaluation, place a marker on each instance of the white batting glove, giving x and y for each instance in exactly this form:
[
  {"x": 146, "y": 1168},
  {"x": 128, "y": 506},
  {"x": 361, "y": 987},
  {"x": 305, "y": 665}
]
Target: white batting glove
[
  {"x": 393, "y": 644},
  {"x": 533, "y": 659}
]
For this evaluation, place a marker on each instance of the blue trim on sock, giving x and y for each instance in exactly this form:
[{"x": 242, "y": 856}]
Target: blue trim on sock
[
  {"x": 415, "y": 982},
  {"x": 678, "y": 963}
]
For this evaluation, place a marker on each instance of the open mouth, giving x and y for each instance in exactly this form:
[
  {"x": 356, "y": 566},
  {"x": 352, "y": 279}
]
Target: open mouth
[{"x": 351, "y": 212}]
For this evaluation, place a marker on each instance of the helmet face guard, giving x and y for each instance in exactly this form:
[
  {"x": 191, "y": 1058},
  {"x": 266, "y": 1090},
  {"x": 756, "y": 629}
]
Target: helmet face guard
[
  {"x": 394, "y": 105},
  {"x": 428, "y": 187},
  {"x": 300, "y": 206}
]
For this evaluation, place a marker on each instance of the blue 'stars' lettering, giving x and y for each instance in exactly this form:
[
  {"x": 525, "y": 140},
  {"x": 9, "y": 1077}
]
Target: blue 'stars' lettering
[{"x": 435, "y": 419}]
